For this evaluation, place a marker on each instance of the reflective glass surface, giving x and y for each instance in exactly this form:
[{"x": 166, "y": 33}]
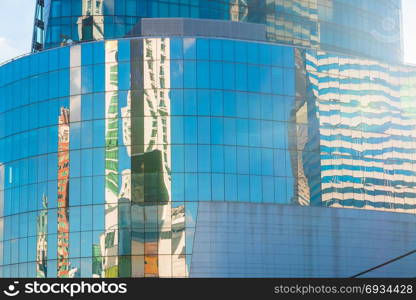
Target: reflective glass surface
[
  {"x": 370, "y": 28},
  {"x": 266, "y": 240},
  {"x": 107, "y": 148},
  {"x": 367, "y": 131}
]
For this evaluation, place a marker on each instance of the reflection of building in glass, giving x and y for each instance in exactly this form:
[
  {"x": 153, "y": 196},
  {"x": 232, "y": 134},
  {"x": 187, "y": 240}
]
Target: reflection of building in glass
[
  {"x": 345, "y": 26},
  {"x": 151, "y": 168},
  {"x": 144, "y": 196},
  {"x": 63, "y": 194},
  {"x": 238, "y": 10},
  {"x": 39, "y": 26},
  {"x": 366, "y": 135},
  {"x": 42, "y": 240},
  {"x": 97, "y": 261},
  {"x": 91, "y": 23},
  {"x": 208, "y": 150},
  {"x": 295, "y": 22},
  {"x": 153, "y": 163},
  {"x": 299, "y": 136},
  {"x": 109, "y": 241}
]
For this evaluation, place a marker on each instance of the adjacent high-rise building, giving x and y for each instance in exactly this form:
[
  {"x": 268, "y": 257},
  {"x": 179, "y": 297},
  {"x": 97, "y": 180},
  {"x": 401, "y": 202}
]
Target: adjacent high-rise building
[{"x": 208, "y": 138}]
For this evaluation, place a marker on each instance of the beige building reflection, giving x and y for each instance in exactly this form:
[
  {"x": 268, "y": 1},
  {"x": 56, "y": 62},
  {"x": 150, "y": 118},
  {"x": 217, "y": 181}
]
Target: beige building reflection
[
  {"x": 42, "y": 240},
  {"x": 145, "y": 235},
  {"x": 91, "y": 23},
  {"x": 238, "y": 10}
]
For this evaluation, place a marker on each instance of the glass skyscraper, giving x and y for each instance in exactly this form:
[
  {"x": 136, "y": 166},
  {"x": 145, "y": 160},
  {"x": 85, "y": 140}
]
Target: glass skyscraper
[{"x": 209, "y": 138}]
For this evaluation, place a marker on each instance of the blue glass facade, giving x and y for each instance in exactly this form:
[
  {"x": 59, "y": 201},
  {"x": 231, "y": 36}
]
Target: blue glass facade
[
  {"x": 174, "y": 156},
  {"x": 368, "y": 28}
]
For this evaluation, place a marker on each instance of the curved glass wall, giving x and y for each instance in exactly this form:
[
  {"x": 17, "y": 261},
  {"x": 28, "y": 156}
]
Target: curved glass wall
[
  {"x": 370, "y": 28},
  {"x": 107, "y": 148}
]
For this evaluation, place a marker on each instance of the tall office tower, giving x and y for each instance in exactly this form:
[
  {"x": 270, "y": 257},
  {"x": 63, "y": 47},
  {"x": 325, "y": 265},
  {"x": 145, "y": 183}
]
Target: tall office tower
[{"x": 220, "y": 138}]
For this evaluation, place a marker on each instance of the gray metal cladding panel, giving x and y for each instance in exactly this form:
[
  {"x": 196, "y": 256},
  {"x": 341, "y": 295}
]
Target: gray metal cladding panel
[
  {"x": 269, "y": 240},
  {"x": 198, "y": 27}
]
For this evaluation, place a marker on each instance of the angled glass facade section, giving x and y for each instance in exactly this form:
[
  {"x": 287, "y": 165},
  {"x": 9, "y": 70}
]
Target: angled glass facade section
[{"x": 293, "y": 241}]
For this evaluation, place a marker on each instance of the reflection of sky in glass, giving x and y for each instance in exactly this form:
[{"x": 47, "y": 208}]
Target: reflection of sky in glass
[{"x": 409, "y": 28}]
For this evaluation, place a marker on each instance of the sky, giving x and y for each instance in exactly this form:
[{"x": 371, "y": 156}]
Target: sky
[
  {"x": 16, "y": 23},
  {"x": 409, "y": 30}
]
